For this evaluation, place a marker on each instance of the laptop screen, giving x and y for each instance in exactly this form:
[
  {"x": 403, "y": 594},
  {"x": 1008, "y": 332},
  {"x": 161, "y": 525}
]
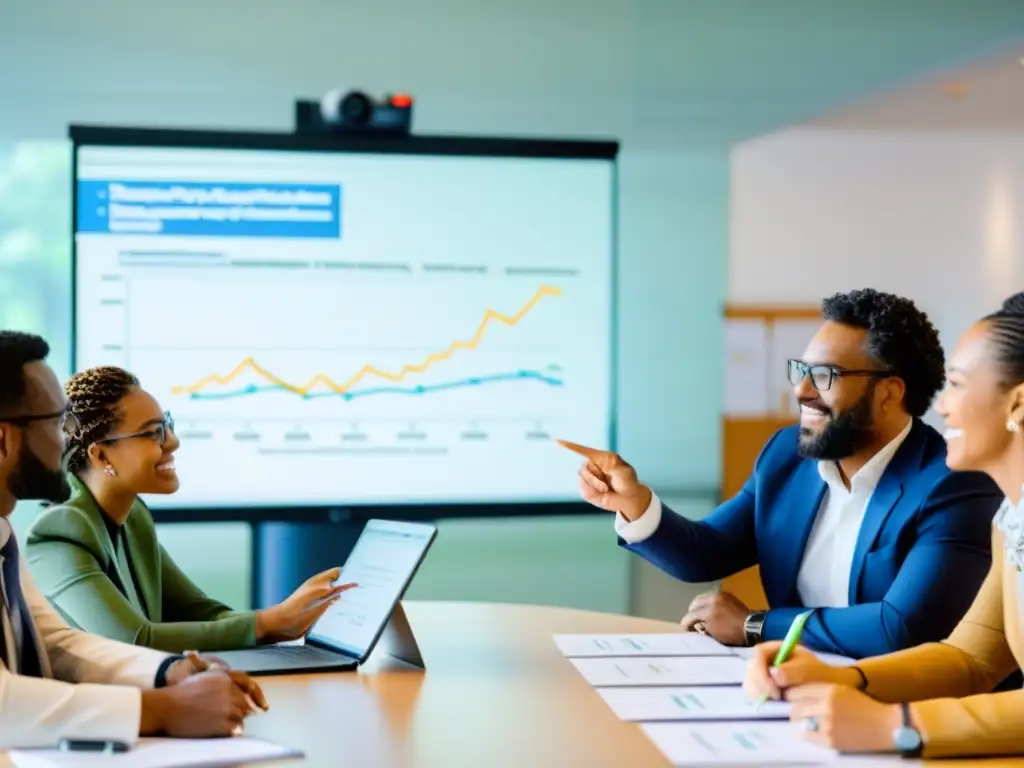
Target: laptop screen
[{"x": 382, "y": 563}]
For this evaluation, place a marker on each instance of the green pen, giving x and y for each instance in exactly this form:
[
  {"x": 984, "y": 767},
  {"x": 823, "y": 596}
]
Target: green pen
[{"x": 790, "y": 642}]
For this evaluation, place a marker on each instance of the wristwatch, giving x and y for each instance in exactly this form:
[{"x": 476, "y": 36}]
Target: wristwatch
[
  {"x": 753, "y": 627},
  {"x": 906, "y": 737}
]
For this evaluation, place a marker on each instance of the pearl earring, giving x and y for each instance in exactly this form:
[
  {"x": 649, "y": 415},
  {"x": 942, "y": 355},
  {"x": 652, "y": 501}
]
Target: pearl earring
[
  {"x": 110, "y": 470},
  {"x": 1012, "y": 426}
]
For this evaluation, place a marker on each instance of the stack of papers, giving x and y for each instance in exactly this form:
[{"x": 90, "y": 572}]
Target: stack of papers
[
  {"x": 162, "y": 753},
  {"x": 685, "y": 689}
]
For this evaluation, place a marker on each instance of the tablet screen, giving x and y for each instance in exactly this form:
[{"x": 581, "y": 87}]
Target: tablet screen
[{"x": 382, "y": 563}]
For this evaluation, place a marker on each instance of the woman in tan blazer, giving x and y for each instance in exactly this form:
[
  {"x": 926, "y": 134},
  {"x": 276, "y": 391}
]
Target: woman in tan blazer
[{"x": 935, "y": 700}]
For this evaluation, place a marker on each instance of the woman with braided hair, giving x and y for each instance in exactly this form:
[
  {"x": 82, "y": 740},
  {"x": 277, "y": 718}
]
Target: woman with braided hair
[{"x": 97, "y": 558}]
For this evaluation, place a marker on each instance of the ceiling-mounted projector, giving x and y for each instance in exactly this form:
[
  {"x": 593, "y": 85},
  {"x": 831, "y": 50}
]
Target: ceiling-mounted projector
[{"x": 343, "y": 110}]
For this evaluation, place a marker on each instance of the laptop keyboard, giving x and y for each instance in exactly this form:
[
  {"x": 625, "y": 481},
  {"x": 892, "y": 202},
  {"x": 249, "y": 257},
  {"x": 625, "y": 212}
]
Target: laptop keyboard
[{"x": 293, "y": 653}]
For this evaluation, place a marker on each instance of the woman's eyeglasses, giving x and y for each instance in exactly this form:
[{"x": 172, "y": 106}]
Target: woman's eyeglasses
[{"x": 157, "y": 433}]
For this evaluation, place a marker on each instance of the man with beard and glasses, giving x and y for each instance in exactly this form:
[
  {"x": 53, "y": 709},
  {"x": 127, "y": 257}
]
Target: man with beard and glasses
[
  {"x": 852, "y": 513},
  {"x": 56, "y": 682}
]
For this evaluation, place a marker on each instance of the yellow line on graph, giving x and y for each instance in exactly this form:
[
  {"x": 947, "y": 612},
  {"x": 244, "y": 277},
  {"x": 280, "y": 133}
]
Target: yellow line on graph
[{"x": 250, "y": 364}]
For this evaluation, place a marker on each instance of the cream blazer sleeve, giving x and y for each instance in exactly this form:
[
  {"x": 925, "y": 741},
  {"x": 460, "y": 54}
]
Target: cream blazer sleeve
[{"x": 94, "y": 692}]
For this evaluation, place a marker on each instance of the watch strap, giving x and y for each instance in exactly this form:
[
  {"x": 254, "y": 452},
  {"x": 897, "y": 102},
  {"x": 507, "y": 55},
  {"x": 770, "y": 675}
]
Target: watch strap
[
  {"x": 907, "y": 738},
  {"x": 753, "y": 627}
]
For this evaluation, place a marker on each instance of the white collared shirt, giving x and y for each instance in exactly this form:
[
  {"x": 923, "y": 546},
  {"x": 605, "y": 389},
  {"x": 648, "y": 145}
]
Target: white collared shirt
[{"x": 824, "y": 577}]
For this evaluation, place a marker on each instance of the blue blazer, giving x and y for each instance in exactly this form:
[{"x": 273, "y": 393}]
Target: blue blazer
[{"x": 923, "y": 550}]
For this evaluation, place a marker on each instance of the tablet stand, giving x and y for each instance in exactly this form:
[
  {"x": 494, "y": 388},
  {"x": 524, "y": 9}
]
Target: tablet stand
[{"x": 398, "y": 640}]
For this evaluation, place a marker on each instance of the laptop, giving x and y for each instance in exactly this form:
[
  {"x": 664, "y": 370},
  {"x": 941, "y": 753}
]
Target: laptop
[{"x": 383, "y": 562}]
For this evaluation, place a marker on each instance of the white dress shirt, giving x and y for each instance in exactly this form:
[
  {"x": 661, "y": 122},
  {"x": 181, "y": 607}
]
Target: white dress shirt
[{"x": 824, "y": 577}]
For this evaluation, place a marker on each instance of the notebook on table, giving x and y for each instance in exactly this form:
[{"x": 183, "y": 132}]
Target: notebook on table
[{"x": 162, "y": 753}]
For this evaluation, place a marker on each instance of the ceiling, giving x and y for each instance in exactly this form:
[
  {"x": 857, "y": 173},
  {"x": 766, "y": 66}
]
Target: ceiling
[{"x": 983, "y": 95}]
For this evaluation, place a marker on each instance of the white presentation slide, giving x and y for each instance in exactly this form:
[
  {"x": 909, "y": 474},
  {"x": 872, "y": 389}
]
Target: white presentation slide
[
  {"x": 380, "y": 564},
  {"x": 336, "y": 328}
]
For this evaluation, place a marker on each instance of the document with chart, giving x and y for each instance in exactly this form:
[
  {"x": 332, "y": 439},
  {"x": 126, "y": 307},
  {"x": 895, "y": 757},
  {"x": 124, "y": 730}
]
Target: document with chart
[
  {"x": 669, "y": 644},
  {"x": 735, "y": 744},
  {"x": 692, "y": 670},
  {"x": 689, "y": 703}
]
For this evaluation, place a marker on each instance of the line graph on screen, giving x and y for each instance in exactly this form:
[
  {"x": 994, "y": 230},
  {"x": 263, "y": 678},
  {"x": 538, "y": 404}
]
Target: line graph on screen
[{"x": 216, "y": 386}]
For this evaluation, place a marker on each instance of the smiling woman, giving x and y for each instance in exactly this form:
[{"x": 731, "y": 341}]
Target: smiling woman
[
  {"x": 97, "y": 558},
  {"x": 139, "y": 454},
  {"x": 983, "y": 404}
]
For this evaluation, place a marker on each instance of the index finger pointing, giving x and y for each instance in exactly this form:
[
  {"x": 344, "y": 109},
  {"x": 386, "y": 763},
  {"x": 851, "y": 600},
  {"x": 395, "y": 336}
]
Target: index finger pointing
[{"x": 588, "y": 453}]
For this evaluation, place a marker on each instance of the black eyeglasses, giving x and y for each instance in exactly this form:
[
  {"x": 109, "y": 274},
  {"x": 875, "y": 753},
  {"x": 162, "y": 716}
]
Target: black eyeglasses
[
  {"x": 822, "y": 376},
  {"x": 158, "y": 433},
  {"x": 67, "y": 420}
]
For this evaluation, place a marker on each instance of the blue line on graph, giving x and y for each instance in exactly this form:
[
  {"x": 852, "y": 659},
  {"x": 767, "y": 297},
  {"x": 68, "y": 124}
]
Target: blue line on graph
[{"x": 423, "y": 389}]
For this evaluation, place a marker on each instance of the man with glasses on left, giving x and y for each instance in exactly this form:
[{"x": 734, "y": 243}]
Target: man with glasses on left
[
  {"x": 57, "y": 682},
  {"x": 852, "y": 512}
]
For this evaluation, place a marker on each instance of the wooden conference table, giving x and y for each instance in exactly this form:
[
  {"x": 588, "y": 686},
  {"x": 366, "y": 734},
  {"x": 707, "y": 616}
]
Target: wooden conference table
[{"x": 496, "y": 692}]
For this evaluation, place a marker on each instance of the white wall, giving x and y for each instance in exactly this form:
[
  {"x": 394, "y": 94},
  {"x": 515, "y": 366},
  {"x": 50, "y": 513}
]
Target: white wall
[{"x": 936, "y": 218}]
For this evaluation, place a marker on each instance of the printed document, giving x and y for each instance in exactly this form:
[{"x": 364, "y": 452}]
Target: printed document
[
  {"x": 736, "y": 744},
  {"x": 689, "y": 703},
  {"x": 683, "y": 670},
  {"x": 832, "y": 659},
  {"x": 672, "y": 644}
]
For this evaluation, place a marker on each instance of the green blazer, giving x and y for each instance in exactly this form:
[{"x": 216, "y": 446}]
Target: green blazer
[{"x": 125, "y": 586}]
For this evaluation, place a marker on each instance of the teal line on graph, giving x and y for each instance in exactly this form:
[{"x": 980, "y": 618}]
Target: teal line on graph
[{"x": 423, "y": 389}]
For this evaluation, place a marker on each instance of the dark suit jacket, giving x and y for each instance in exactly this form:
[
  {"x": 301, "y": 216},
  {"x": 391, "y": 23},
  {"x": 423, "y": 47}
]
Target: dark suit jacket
[{"x": 923, "y": 549}]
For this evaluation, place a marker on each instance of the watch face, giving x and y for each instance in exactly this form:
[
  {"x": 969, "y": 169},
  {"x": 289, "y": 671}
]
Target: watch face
[{"x": 906, "y": 739}]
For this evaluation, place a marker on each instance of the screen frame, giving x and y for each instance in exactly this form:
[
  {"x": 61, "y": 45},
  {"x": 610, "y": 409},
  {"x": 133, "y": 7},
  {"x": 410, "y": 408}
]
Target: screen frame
[
  {"x": 82, "y": 135},
  {"x": 361, "y": 655}
]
